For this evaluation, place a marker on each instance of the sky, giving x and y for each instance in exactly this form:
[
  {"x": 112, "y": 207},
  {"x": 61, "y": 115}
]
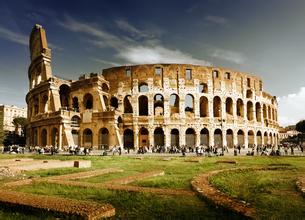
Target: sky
[{"x": 265, "y": 38}]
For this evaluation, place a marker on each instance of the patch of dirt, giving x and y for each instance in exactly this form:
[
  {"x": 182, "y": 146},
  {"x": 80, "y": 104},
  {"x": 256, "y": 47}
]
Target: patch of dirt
[
  {"x": 7, "y": 172},
  {"x": 300, "y": 183}
]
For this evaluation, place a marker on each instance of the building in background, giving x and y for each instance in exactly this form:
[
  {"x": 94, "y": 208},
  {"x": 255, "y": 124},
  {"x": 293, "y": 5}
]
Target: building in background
[
  {"x": 146, "y": 105},
  {"x": 7, "y": 115}
]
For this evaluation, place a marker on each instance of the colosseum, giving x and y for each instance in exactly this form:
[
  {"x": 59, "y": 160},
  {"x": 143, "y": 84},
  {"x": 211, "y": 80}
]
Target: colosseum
[{"x": 146, "y": 105}]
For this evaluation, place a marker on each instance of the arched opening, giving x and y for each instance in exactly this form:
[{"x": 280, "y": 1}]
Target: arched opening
[
  {"x": 75, "y": 137},
  {"x": 87, "y": 138},
  {"x": 175, "y": 137},
  {"x": 158, "y": 104},
  {"x": 204, "y": 106},
  {"x": 250, "y": 111},
  {"x": 44, "y": 136},
  {"x": 217, "y": 106},
  {"x": 266, "y": 138},
  {"x": 270, "y": 139},
  {"x": 189, "y": 103},
  {"x": 258, "y": 112},
  {"x": 64, "y": 93},
  {"x": 44, "y": 104},
  {"x": 174, "y": 104},
  {"x": 105, "y": 88},
  {"x": 127, "y": 104},
  {"x": 114, "y": 102},
  {"x": 54, "y": 137},
  {"x": 272, "y": 114},
  {"x": 128, "y": 139},
  {"x": 259, "y": 138},
  {"x": 75, "y": 121},
  {"x": 159, "y": 137},
  {"x": 88, "y": 101},
  {"x": 103, "y": 138},
  {"x": 203, "y": 88},
  {"x": 249, "y": 94},
  {"x": 240, "y": 108},
  {"x": 250, "y": 138},
  {"x": 190, "y": 137},
  {"x": 229, "y": 138},
  {"x": 143, "y": 105},
  {"x": 269, "y": 112},
  {"x": 75, "y": 104},
  {"x": 143, "y": 137},
  {"x": 229, "y": 106},
  {"x": 204, "y": 137},
  {"x": 143, "y": 87},
  {"x": 35, "y": 137},
  {"x": 218, "y": 138},
  {"x": 36, "y": 106},
  {"x": 240, "y": 138}
]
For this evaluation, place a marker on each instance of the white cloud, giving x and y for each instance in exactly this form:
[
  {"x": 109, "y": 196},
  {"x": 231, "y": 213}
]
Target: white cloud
[
  {"x": 14, "y": 37},
  {"x": 216, "y": 20},
  {"x": 228, "y": 55},
  {"x": 19, "y": 38},
  {"x": 105, "y": 62},
  {"x": 149, "y": 50},
  {"x": 157, "y": 54},
  {"x": 291, "y": 108}
]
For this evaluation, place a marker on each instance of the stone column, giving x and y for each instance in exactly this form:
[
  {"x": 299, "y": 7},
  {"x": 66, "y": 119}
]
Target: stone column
[
  {"x": 198, "y": 138},
  {"x": 166, "y": 109},
  {"x": 211, "y": 137},
  {"x": 255, "y": 138},
  {"x": 181, "y": 136},
  {"x": 246, "y": 141},
  {"x": 235, "y": 138},
  {"x": 196, "y": 106},
  {"x": 167, "y": 136},
  {"x": 136, "y": 137},
  {"x": 151, "y": 136},
  {"x": 60, "y": 136},
  {"x": 224, "y": 136}
]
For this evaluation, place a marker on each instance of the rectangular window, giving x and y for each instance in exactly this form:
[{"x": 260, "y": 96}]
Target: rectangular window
[
  {"x": 260, "y": 86},
  {"x": 248, "y": 82},
  {"x": 128, "y": 72},
  {"x": 227, "y": 75},
  {"x": 215, "y": 74},
  {"x": 188, "y": 74},
  {"x": 158, "y": 71}
]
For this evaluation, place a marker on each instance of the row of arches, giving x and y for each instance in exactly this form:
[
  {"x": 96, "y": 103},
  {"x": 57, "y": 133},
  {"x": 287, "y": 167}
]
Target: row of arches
[{"x": 262, "y": 111}]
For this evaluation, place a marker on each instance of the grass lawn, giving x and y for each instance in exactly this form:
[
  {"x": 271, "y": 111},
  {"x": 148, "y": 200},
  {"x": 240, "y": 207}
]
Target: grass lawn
[{"x": 273, "y": 193}]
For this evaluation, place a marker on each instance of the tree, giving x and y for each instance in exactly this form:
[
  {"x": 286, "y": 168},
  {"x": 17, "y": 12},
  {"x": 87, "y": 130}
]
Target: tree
[
  {"x": 20, "y": 122},
  {"x": 300, "y": 127}
]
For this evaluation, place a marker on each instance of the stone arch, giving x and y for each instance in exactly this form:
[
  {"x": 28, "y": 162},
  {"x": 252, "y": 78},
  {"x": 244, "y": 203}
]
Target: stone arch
[
  {"x": 128, "y": 139},
  {"x": 114, "y": 102},
  {"x": 240, "y": 137},
  {"x": 265, "y": 138},
  {"x": 158, "y": 104},
  {"x": 273, "y": 114},
  {"x": 250, "y": 111},
  {"x": 87, "y": 138},
  {"x": 75, "y": 104},
  {"x": 88, "y": 101},
  {"x": 143, "y": 137},
  {"x": 218, "y": 138},
  {"x": 204, "y": 137},
  {"x": 203, "y": 88},
  {"x": 159, "y": 137},
  {"x": 36, "y": 105},
  {"x": 105, "y": 98},
  {"x": 250, "y": 138},
  {"x": 54, "y": 137},
  {"x": 175, "y": 137},
  {"x": 240, "y": 108},
  {"x": 105, "y": 88},
  {"x": 75, "y": 137},
  {"x": 44, "y": 139},
  {"x": 35, "y": 137},
  {"x": 64, "y": 93},
  {"x": 174, "y": 102},
  {"x": 75, "y": 121},
  {"x": 190, "y": 137},
  {"x": 259, "y": 138},
  {"x": 189, "y": 103},
  {"x": 103, "y": 140},
  {"x": 217, "y": 106},
  {"x": 143, "y": 105},
  {"x": 249, "y": 94},
  {"x": 204, "y": 106},
  {"x": 270, "y": 139},
  {"x": 127, "y": 104},
  {"x": 269, "y": 112},
  {"x": 258, "y": 112},
  {"x": 143, "y": 87},
  {"x": 44, "y": 103},
  {"x": 229, "y": 106},
  {"x": 229, "y": 138}
]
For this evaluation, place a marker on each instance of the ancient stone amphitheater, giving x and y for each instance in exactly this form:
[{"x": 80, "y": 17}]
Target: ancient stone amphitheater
[{"x": 146, "y": 105}]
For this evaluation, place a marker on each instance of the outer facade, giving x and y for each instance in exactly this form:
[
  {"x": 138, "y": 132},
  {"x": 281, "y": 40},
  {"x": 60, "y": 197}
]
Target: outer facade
[
  {"x": 147, "y": 105},
  {"x": 7, "y": 115}
]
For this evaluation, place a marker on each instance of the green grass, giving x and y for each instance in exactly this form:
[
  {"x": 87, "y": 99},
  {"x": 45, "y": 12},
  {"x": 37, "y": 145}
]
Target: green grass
[{"x": 273, "y": 193}]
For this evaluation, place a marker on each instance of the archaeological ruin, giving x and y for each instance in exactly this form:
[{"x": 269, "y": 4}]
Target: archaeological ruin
[{"x": 146, "y": 105}]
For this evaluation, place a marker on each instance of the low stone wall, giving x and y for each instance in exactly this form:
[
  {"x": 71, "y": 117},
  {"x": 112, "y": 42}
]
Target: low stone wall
[{"x": 62, "y": 206}]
